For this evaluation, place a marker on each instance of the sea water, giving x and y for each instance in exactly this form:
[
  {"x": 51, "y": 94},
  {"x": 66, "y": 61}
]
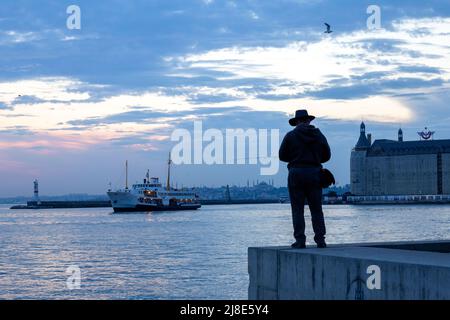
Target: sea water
[{"x": 175, "y": 255}]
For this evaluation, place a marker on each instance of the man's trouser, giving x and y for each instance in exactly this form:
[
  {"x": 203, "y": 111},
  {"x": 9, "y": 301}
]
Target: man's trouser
[{"x": 304, "y": 183}]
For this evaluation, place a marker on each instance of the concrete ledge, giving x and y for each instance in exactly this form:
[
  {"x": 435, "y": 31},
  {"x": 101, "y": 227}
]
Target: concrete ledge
[{"x": 408, "y": 271}]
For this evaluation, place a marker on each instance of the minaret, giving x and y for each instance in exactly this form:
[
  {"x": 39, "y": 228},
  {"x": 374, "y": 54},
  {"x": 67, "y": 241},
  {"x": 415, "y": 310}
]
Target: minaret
[{"x": 400, "y": 135}]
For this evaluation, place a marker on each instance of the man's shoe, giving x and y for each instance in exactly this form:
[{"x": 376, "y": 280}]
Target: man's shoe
[
  {"x": 321, "y": 245},
  {"x": 298, "y": 245}
]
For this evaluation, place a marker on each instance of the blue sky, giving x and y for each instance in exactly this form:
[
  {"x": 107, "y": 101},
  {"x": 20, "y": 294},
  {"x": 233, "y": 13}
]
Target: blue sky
[{"x": 74, "y": 104}]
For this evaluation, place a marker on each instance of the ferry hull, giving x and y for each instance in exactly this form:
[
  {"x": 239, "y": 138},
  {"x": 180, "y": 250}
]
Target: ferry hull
[{"x": 144, "y": 208}]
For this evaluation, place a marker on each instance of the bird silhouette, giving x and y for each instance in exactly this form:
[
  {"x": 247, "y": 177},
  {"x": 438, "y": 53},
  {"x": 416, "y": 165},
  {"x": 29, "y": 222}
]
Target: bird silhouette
[{"x": 328, "y": 28}]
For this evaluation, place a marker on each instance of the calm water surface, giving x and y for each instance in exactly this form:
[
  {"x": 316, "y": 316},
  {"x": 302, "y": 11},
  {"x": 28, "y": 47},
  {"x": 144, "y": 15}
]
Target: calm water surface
[{"x": 176, "y": 255}]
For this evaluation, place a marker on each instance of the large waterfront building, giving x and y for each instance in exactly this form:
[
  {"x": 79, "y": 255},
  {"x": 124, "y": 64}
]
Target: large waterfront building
[{"x": 397, "y": 167}]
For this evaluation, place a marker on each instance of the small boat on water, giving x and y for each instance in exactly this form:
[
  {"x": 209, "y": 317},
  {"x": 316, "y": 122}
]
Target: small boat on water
[{"x": 150, "y": 195}]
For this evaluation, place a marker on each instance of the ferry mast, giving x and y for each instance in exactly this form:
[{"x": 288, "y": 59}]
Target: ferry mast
[
  {"x": 168, "y": 173},
  {"x": 126, "y": 175}
]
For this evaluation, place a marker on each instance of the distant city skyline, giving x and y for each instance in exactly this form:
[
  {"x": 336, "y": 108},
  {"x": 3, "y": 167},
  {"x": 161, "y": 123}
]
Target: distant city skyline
[
  {"x": 256, "y": 190},
  {"x": 76, "y": 103}
]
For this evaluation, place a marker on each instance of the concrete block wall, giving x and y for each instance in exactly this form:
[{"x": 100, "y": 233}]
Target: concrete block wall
[{"x": 340, "y": 273}]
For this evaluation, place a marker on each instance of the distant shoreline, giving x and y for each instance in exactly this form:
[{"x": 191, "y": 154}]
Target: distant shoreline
[{"x": 107, "y": 204}]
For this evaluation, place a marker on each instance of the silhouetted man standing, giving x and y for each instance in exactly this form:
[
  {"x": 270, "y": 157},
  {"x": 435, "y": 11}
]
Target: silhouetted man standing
[{"x": 305, "y": 149}]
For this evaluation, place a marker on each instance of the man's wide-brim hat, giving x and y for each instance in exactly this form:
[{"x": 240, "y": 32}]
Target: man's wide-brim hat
[{"x": 300, "y": 115}]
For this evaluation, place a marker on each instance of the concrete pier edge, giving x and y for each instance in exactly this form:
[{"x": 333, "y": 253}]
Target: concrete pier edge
[{"x": 408, "y": 270}]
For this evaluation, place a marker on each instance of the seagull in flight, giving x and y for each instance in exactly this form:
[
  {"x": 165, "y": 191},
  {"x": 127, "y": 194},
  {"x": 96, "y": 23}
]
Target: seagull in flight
[{"x": 328, "y": 28}]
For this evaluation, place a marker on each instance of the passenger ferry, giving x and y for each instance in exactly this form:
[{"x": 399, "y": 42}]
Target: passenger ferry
[{"x": 150, "y": 195}]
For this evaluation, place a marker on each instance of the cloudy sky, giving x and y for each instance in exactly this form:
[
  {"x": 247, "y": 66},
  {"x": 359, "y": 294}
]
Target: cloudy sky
[{"x": 75, "y": 104}]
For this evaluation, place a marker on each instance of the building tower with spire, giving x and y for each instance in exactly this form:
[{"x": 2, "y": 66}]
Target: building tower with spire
[{"x": 358, "y": 162}]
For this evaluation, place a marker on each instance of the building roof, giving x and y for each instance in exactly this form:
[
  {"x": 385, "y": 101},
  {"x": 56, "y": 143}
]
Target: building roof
[
  {"x": 384, "y": 147},
  {"x": 363, "y": 142}
]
